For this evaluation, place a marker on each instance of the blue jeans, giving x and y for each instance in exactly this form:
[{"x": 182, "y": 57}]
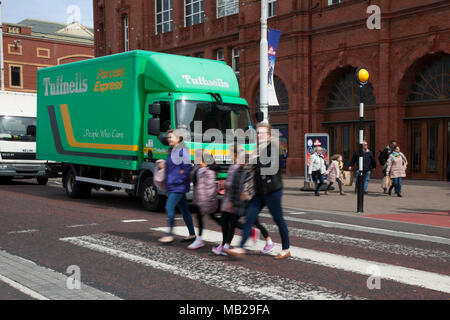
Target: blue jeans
[
  {"x": 366, "y": 179},
  {"x": 397, "y": 183},
  {"x": 178, "y": 199},
  {"x": 273, "y": 202}
]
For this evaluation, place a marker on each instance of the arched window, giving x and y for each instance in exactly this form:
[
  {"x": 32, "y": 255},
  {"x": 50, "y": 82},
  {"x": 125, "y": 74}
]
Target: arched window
[
  {"x": 282, "y": 96},
  {"x": 432, "y": 82},
  {"x": 345, "y": 93}
]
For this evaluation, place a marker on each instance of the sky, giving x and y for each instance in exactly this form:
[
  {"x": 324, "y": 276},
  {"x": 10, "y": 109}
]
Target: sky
[{"x": 63, "y": 11}]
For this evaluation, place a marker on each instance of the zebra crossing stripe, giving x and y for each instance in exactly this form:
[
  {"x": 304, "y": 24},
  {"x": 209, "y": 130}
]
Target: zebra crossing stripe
[
  {"x": 356, "y": 227},
  {"x": 403, "y": 275},
  {"x": 237, "y": 279},
  {"x": 393, "y": 248}
]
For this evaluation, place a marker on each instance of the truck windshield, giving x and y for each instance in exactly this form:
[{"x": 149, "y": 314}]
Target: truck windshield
[
  {"x": 17, "y": 128},
  {"x": 212, "y": 116}
]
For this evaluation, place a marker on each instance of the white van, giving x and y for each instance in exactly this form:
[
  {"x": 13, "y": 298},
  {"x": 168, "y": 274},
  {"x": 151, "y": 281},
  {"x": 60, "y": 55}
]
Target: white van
[{"x": 18, "y": 138}]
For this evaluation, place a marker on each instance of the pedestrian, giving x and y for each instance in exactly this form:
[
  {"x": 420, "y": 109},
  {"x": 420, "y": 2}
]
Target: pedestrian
[
  {"x": 316, "y": 169},
  {"x": 396, "y": 169},
  {"x": 230, "y": 220},
  {"x": 178, "y": 168},
  {"x": 335, "y": 173},
  {"x": 369, "y": 164},
  {"x": 383, "y": 157},
  {"x": 268, "y": 189},
  {"x": 203, "y": 177}
]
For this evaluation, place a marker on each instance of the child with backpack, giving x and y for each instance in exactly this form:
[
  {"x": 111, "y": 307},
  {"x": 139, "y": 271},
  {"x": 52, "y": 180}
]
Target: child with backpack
[
  {"x": 335, "y": 173},
  {"x": 234, "y": 206},
  {"x": 203, "y": 177}
]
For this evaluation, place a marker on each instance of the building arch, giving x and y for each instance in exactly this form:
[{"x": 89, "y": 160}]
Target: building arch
[
  {"x": 74, "y": 56},
  {"x": 424, "y": 96},
  {"x": 338, "y": 104}
]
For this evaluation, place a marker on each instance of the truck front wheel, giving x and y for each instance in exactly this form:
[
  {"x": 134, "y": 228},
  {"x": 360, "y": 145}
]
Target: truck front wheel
[
  {"x": 150, "y": 198},
  {"x": 75, "y": 189}
]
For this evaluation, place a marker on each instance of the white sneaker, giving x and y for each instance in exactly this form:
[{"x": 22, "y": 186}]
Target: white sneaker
[{"x": 198, "y": 243}]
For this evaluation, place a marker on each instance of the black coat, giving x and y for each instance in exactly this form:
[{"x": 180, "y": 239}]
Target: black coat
[
  {"x": 369, "y": 162},
  {"x": 266, "y": 184}
]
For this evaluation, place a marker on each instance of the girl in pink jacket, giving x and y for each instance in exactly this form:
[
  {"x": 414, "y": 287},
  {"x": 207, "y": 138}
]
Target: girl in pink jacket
[{"x": 335, "y": 173}]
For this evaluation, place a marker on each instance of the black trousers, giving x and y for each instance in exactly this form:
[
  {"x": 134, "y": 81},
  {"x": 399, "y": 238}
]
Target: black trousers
[
  {"x": 231, "y": 221},
  {"x": 339, "y": 184}
]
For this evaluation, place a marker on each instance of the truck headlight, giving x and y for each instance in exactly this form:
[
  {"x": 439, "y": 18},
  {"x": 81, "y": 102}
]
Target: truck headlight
[{"x": 3, "y": 166}]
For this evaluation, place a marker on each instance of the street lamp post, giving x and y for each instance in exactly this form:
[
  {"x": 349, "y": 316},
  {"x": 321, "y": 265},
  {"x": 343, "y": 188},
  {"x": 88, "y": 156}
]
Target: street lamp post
[
  {"x": 263, "y": 67},
  {"x": 362, "y": 77}
]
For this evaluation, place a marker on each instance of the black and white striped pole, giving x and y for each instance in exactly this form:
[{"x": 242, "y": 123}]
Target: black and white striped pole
[{"x": 362, "y": 77}]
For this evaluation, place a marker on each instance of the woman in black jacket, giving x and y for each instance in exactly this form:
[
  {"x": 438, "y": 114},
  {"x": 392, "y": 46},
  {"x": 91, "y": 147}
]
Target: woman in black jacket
[{"x": 268, "y": 192}]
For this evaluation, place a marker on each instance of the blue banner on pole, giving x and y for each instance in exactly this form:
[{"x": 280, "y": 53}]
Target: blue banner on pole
[{"x": 273, "y": 40}]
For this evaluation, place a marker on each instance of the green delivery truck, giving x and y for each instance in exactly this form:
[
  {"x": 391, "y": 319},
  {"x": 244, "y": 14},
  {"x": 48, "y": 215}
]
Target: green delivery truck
[{"x": 106, "y": 119}]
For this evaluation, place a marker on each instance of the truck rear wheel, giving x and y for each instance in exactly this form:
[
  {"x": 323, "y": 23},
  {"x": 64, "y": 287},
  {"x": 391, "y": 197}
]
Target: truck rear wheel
[
  {"x": 75, "y": 189},
  {"x": 150, "y": 198},
  {"x": 42, "y": 181}
]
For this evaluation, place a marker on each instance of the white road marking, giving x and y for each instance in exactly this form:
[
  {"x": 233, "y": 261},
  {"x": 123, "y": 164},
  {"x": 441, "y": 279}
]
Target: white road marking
[
  {"x": 23, "y": 231},
  {"x": 82, "y": 225},
  {"x": 132, "y": 221},
  {"x": 300, "y": 212},
  {"x": 22, "y": 288},
  {"x": 424, "y": 279},
  {"x": 355, "y": 227},
  {"x": 365, "y": 243},
  {"x": 237, "y": 279}
]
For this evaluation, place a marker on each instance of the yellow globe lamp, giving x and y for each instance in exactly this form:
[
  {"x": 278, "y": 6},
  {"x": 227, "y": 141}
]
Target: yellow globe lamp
[{"x": 362, "y": 75}]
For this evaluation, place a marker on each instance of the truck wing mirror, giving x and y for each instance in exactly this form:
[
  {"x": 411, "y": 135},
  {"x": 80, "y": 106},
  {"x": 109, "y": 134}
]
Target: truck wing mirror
[
  {"x": 154, "y": 109},
  {"x": 153, "y": 126},
  {"x": 259, "y": 115}
]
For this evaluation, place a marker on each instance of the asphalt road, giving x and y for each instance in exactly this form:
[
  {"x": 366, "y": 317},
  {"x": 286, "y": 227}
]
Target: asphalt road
[{"x": 113, "y": 243}]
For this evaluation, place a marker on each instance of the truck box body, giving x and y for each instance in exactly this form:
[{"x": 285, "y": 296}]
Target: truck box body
[{"x": 93, "y": 112}]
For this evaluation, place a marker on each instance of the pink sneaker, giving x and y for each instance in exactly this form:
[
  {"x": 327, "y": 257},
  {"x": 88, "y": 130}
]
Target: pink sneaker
[
  {"x": 196, "y": 244},
  {"x": 219, "y": 251},
  {"x": 268, "y": 248},
  {"x": 255, "y": 235}
]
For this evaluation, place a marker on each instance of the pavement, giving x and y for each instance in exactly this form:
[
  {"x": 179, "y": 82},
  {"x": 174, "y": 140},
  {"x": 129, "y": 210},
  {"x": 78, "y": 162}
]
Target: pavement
[{"x": 423, "y": 202}]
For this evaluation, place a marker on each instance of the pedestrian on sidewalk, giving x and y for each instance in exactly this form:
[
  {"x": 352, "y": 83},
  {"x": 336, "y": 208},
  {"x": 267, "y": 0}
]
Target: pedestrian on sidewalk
[
  {"x": 268, "y": 191},
  {"x": 369, "y": 164},
  {"x": 203, "y": 176},
  {"x": 178, "y": 168},
  {"x": 230, "y": 221},
  {"x": 335, "y": 173},
  {"x": 384, "y": 156},
  {"x": 396, "y": 169},
  {"x": 316, "y": 169}
]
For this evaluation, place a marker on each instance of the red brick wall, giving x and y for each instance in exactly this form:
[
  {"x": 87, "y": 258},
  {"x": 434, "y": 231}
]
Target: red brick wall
[
  {"x": 26, "y": 55},
  {"x": 410, "y": 30}
]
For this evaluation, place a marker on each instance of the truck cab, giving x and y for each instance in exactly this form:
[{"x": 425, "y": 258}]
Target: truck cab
[{"x": 18, "y": 138}]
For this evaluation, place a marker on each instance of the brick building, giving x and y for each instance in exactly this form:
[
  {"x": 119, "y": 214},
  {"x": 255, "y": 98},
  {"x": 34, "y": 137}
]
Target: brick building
[
  {"x": 322, "y": 42},
  {"x": 34, "y": 44}
]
